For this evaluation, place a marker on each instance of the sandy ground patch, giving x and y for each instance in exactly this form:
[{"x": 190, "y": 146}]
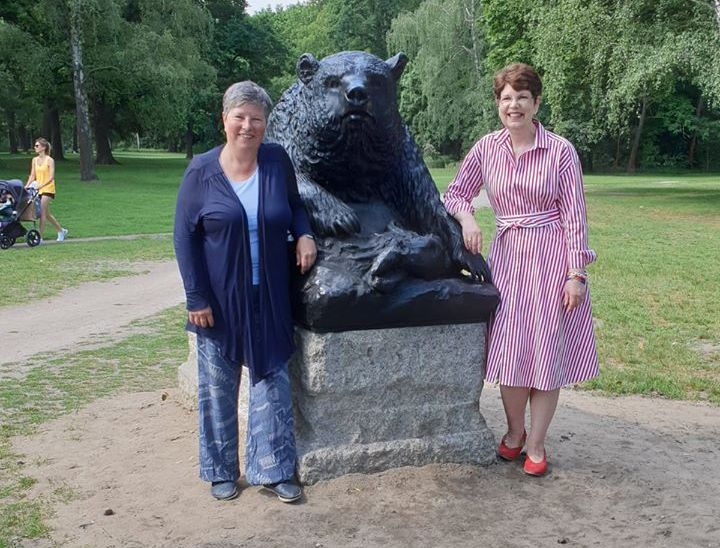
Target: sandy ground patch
[{"x": 625, "y": 472}]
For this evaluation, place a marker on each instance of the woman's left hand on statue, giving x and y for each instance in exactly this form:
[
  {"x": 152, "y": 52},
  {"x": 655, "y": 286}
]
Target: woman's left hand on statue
[
  {"x": 305, "y": 253},
  {"x": 573, "y": 294}
]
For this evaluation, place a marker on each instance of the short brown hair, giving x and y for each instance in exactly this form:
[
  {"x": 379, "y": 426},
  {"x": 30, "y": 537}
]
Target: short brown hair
[{"x": 521, "y": 77}]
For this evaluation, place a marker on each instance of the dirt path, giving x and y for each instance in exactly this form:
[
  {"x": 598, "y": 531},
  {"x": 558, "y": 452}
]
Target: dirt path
[
  {"x": 95, "y": 310},
  {"x": 625, "y": 471}
]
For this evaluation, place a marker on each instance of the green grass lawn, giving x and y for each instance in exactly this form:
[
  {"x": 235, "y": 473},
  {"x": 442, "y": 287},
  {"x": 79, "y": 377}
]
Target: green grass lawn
[
  {"x": 656, "y": 288},
  {"x": 137, "y": 196}
]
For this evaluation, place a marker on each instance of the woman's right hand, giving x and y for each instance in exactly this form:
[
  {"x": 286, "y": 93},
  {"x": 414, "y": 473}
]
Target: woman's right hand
[
  {"x": 202, "y": 317},
  {"x": 472, "y": 237}
]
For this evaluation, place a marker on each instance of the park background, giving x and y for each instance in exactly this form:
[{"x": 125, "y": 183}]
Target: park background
[{"x": 635, "y": 85}]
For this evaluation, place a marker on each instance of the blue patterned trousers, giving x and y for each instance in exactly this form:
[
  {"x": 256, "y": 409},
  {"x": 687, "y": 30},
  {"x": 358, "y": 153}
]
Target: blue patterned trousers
[{"x": 270, "y": 454}]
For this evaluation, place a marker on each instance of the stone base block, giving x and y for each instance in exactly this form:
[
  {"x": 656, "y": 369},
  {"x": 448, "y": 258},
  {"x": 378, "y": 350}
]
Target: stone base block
[
  {"x": 370, "y": 400},
  {"x": 331, "y": 462},
  {"x": 188, "y": 376}
]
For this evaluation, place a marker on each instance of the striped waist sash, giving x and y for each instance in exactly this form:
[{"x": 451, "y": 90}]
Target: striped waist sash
[{"x": 530, "y": 220}]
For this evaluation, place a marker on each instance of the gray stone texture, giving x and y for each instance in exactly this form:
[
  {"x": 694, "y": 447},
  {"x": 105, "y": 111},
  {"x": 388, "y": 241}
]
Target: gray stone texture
[
  {"x": 188, "y": 376},
  {"x": 366, "y": 401}
]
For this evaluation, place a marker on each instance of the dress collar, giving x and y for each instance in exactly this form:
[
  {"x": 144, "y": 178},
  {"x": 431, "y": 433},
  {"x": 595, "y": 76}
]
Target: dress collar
[{"x": 502, "y": 137}]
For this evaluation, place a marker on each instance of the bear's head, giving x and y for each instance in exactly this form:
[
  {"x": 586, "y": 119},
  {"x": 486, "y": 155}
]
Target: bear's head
[
  {"x": 353, "y": 85},
  {"x": 348, "y": 102}
]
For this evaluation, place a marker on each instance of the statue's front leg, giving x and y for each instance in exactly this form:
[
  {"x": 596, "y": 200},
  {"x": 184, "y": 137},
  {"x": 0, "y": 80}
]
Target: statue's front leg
[{"x": 329, "y": 216}]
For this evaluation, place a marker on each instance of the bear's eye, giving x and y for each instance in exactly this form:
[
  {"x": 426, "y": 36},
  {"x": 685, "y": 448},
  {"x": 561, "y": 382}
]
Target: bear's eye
[{"x": 332, "y": 82}]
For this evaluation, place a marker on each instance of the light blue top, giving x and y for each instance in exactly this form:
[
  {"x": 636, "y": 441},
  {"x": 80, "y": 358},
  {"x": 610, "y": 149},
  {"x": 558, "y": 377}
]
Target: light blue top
[{"x": 249, "y": 193}]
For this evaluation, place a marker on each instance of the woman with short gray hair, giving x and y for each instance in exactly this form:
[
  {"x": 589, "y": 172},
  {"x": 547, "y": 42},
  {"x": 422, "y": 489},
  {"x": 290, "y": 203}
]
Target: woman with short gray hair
[{"x": 235, "y": 208}]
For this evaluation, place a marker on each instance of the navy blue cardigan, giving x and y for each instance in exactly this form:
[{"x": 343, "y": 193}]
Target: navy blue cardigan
[{"x": 213, "y": 253}]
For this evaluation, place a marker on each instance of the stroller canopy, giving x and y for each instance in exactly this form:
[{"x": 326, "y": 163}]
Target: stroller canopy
[{"x": 15, "y": 187}]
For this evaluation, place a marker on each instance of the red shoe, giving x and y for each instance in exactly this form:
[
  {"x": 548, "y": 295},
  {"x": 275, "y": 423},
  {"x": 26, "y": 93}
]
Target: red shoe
[
  {"x": 510, "y": 453},
  {"x": 532, "y": 468}
]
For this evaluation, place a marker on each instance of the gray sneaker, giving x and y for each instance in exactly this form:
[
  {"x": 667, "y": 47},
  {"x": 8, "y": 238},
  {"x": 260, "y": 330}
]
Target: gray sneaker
[
  {"x": 224, "y": 490},
  {"x": 286, "y": 491}
]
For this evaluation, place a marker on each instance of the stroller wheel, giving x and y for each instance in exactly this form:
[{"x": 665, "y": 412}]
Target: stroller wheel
[
  {"x": 32, "y": 238},
  {"x": 6, "y": 242}
]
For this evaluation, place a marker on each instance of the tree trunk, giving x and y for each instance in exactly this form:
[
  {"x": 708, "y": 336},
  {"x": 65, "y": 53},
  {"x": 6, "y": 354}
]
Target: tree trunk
[
  {"x": 172, "y": 145},
  {"x": 707, "y": 158},
  {"x": 56, "y": 136},
  {"x": 12, "y": 133},
  {"x": 632, "y": 162},
  {"x": 694, "y": 139},
  {"x": 25, "y": 139},
  {"x": 46, "y": 121},
  {"x": 471, "y": 19},
  {"x": 52, "y": 131},
  {"x": 75, "y": 139},
  {"x": 717, "y": 13},
  {"x": 101, "y": 119},
  {"x": 188, "y": 143},
  {"x": 82, "y": 116},
  {"x": 616, "y": 161}
]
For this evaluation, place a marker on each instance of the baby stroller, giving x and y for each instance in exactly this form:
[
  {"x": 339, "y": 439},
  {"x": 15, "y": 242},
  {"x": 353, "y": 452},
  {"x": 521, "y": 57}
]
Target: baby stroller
[{"x": 17, "y": 205}]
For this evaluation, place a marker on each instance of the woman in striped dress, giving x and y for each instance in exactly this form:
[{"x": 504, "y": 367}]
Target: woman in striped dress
[{"x": 541, "y": 337}]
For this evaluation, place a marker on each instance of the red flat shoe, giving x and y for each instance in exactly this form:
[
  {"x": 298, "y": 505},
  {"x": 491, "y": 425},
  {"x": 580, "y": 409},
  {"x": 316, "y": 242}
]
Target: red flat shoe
[
  {"x": 532, "y": 468},
  {"x": 510, "y": 453}
]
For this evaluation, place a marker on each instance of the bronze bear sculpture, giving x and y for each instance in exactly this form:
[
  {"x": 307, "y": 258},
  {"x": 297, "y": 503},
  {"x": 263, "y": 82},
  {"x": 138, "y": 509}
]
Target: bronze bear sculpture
[{"x": 388, "y": 252}]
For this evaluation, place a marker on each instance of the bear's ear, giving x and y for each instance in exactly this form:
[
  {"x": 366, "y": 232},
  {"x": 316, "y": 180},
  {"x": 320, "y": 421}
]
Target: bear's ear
[
  {"x": 306, "y": 67},
  {"x": 397, "y": 64}
]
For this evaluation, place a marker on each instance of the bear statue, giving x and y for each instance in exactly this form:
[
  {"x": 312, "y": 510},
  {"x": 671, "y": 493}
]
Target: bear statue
[{"x": 389, "y": 255}]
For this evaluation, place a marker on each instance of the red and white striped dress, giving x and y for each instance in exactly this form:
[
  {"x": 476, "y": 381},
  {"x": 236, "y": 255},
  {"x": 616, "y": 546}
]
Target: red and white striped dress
[{"x": 539, "y": 207}]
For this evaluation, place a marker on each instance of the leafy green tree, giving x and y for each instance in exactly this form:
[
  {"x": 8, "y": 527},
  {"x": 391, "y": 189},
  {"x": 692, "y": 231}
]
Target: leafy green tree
[
  {"x": 145, "y": 67},
  {"x": 324, "y": 27},
  {"x": 611, "y": 67},
  {"x": 247, "y": 48},
  {"x": 362, "y": 25},
  {"x": 43, "y": 78},
  {"x": 571, "y": 48},
  {"x": 505, "y": 27},
  {"x": 445, "y": 92},
  {"x": 17, "y": 108}
]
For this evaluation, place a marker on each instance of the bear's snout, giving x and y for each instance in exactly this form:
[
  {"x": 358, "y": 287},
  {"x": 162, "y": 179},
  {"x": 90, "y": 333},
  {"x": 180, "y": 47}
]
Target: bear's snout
[{"x": 356, "y": 95}]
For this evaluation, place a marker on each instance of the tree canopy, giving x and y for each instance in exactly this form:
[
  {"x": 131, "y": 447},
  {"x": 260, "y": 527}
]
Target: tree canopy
[{"x": 632, "y": 83}]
